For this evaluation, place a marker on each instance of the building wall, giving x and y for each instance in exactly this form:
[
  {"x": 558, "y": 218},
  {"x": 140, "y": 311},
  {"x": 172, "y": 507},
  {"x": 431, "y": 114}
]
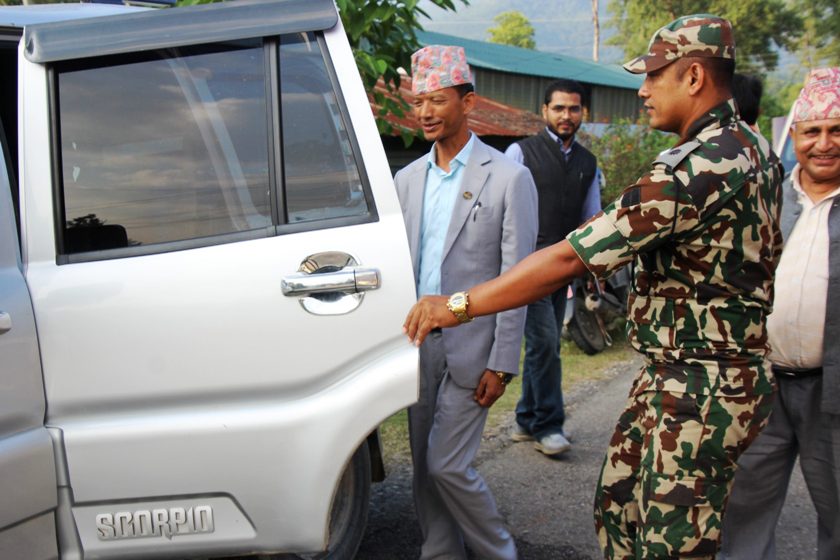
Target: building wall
[
  {"x": 611, "y": 103},
  {"x": 526, "y": 92}
]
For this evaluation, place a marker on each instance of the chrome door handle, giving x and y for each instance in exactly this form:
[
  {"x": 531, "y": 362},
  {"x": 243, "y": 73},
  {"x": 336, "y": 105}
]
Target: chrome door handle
[
  {"x": 330, "y": 283},
  {"x": 5, "y": 322},
  {"x": 348, "y": 280}
]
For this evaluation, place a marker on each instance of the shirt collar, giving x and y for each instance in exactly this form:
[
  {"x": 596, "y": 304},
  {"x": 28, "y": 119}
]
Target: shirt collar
[
  {"x": 461, "y": 157},
  {"x": 794, "y": 180},
  {"x": 717, "y": 117},
  {"x": 557, "y": 139}
]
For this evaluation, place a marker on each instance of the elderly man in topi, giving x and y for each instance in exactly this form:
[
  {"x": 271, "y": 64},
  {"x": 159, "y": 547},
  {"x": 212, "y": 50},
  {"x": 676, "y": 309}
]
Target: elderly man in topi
[
  {"x": 470, "y": 213},
  {"x": 804, "y": 329},
  {"x": 701, "y": 227}
]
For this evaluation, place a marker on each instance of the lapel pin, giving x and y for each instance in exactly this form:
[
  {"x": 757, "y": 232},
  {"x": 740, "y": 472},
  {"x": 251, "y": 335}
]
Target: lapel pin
[{"x": 467, "y": 195}]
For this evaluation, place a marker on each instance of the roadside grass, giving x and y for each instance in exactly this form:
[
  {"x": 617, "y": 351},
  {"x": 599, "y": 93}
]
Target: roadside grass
[{"x": 577, "y": 367}]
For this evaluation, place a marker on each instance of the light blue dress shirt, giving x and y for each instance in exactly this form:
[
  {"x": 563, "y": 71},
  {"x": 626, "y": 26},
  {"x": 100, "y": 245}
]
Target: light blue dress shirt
[
  {"x": 438, "y": 202},
  {"x": 592, "y": 202}
]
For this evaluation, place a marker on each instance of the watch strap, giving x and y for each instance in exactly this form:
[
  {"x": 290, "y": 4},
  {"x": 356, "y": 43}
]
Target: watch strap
[
  {"x": 505, "y": 378},
  {"x": 458, "y": 304}
]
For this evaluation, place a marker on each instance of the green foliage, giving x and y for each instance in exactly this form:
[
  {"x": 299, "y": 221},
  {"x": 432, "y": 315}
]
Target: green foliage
[
  {"x": 513, "y": 28},
  {"x": 383, "y": 35},
  {"x": 758, "y": 25},
  {"x": 820, "y": 42},
  {"x": 776, "y": 101},
  {"x": 625, "y": 152}
]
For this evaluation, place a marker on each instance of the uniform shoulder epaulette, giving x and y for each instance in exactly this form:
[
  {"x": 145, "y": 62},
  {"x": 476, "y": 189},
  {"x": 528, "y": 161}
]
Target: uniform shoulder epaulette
[{"x": 673, "y": 157}]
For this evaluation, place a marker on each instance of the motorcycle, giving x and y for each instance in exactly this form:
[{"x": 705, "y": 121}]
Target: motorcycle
[{"x": 591, "y": 307}]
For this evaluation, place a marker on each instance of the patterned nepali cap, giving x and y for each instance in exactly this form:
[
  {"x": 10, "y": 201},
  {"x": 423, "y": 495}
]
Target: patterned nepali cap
[
  {"x": 702, "y": 35},
  {"x": 436, "y": 67},
  {"x": 820, "y": 97}
]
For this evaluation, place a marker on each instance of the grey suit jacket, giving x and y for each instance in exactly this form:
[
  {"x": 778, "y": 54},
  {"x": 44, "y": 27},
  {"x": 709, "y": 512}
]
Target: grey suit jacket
[
  {"x": 791, "y": 210},
  {"x": 492, "y": 228}
]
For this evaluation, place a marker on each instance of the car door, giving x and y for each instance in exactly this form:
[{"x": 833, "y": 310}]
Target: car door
[
  {"x": 27, "y": 467},
  {"x": 219, "y": 272}
]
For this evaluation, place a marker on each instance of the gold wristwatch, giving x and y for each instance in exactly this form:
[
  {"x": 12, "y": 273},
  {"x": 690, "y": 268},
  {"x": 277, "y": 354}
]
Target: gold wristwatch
[
  {"x": 505, "y": 378},
  {"x": 458, "y": 304}
]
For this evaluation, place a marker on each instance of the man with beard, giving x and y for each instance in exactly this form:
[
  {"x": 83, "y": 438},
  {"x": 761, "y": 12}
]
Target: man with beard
[{"x": 566, "y": 176}]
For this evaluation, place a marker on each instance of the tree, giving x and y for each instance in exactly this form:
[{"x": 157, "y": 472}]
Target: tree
[
  {"x": 776, "y": 101},
  {"x": 513, "y": 28},
  {"x": 820, "y": 43},
  {"x": 383, "y": 35},
  {"x": 625, "y": 151},
  {"x": 759, "y": 26}
]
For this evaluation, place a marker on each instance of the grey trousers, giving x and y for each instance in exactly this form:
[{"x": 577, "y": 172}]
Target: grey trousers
[
  {"x": 454, "y": 505},
  {"x": 796, "y": 427}
]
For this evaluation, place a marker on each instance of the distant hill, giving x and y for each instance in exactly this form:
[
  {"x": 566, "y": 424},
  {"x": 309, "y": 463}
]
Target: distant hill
[{"x": 560, "y": 26}]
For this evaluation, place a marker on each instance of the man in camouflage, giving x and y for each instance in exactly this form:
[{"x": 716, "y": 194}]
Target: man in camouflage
[
  {"x": 803, "y": 331},
  {"x": 701, "y": 228}
]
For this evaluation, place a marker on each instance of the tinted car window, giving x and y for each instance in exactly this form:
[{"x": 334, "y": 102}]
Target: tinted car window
[
  {"x": 321, "y": 176},
  {"x": 170, "y": 147}
]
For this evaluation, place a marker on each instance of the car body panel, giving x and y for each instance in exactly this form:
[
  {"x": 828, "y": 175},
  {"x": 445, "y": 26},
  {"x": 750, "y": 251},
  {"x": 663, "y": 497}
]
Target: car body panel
[
  {"x": 28, "y": 480},
  {"x": 187, "y": 377}
]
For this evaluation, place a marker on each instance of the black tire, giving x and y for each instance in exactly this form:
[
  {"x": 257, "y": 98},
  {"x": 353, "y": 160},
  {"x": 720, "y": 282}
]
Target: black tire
[
  {"x": 584, "y": 329},
  {"x": 349, "y": 513}
]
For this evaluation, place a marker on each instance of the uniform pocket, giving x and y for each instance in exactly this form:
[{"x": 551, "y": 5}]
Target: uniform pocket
[
  {"x": 681, "y": 517},
  {"x": 685, "y": 476}
]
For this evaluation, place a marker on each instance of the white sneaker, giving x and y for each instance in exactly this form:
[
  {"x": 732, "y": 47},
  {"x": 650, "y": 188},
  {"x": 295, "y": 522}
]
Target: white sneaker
[
  {"x": 553, "y": 444},
  {"x": 520, "y": 434}
]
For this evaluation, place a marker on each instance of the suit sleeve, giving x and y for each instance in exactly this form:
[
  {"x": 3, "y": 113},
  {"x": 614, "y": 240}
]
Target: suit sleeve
[
  {"x": 519, "y": 237},
  {"x": 514, "y": 152}
]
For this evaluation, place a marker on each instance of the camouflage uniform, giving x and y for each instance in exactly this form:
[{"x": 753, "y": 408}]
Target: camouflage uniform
[{"x": 702, "y": 230}]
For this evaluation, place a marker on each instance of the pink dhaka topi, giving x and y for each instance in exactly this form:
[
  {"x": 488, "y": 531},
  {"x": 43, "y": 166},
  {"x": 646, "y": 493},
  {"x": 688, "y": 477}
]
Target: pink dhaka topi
[
  {"x": 436, "y": 67},
  {"x": 820, "y": 97}
]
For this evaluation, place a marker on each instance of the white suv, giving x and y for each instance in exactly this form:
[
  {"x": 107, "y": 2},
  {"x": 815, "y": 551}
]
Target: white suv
[{"x": 203, "y": 276}]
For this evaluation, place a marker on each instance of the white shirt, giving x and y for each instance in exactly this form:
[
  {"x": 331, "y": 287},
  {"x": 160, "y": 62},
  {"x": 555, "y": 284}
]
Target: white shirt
[{"x": 795, "y": 328}]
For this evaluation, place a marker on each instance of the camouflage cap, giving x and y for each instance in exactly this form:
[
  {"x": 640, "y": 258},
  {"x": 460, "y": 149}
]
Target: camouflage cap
[
  {"x": 820, "y": 97},
  {"x": 702, "y": 35}
]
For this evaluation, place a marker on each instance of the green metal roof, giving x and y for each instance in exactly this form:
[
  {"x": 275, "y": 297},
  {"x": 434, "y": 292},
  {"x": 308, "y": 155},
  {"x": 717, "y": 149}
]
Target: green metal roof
[{"x": 504, "y": 58}]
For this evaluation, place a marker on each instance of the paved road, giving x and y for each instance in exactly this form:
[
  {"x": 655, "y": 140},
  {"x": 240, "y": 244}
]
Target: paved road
[{"x": 548, "y": 503}]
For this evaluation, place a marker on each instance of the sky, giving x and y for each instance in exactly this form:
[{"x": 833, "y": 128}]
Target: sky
[{"x": 569, "y": 32}]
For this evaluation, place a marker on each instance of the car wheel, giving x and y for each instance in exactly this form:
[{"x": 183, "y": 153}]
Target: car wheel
[{"x": 348, "y": 515}]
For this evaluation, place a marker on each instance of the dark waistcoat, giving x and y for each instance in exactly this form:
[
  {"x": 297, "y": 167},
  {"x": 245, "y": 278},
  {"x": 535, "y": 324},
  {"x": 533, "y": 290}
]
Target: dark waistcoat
[{"x": 561, "y": 185}]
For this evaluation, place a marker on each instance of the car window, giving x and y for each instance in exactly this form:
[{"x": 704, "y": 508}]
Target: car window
[
  {"x": 177, "y": 147},
  {"x": 321, "y": 175},
  {"x": 167, "y": 147}
]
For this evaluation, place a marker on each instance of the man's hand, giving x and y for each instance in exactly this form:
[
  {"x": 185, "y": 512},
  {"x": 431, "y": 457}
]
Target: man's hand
[
  {"x": 489, "y": 389},
  {"x": 427, "y": 314}
]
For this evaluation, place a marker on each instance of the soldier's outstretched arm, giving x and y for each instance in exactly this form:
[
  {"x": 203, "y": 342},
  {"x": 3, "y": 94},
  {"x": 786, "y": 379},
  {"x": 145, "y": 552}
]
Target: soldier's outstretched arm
[{"x": 537, "y": 275}]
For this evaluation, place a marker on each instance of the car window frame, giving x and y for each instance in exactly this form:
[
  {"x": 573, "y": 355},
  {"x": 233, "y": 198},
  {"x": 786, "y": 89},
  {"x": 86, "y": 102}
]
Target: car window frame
[
  {"x": 372, "y": 215},
  {"x": 277, "y": 185}
]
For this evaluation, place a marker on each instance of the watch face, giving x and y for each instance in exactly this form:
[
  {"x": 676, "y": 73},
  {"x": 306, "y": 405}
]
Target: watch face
[{"x": 458, "y": 300}]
